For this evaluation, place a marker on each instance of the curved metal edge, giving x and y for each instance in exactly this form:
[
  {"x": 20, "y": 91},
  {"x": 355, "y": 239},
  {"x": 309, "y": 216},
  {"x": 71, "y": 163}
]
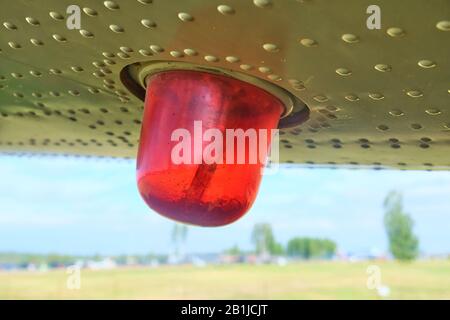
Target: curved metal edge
[{"x": 134, "y": 78}]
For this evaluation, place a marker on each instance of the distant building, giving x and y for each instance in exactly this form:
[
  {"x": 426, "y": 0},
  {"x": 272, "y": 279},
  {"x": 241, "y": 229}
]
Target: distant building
[{"x": 104, "y": 264}]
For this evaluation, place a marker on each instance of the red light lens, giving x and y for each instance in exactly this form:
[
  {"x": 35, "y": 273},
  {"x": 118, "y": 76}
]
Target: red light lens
[{"x": 197, "y": 191}]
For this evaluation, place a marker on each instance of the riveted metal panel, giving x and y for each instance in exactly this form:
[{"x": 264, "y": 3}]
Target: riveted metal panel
[{"x": 377, "y": 97}]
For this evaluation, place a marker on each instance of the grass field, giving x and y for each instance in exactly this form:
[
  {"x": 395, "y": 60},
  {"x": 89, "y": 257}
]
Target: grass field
[{"x": 309, "y": 280}]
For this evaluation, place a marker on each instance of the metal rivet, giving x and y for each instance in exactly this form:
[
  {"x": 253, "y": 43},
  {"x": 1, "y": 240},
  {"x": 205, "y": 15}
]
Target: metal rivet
[
  {"x": 56, "y": 16},
  {"x": 190, "y": 52},
  {"x": 108, "y": 54},
  {"x": 270, "y": 47},
  {"x": 394, "y": 140},
  {"x": 32, "y": 21},
  {"x": 433, "y": 111},
  {"x": 383, "y": 67},
  {"x": 396, "y": 113},
  {"x": 156, "y": 49},
  {"x": 296, "y": 84},
  {"x": 14, "y": 45},
  {"x": 93, "y": 90},
  {"x": 148, "y": 23},
  {"x": 116, "y": 28},
  {"x": 274, "y": 77},
  {"x": 9, "y": 26},
  {"x": 55, "y": 71},
  {"x": 211, "y": 58},
  {"x": 176, "y": 54},
  {"x": 443, "y": 25},
  {"x": 98, "y": 64},
  {"x": 224, "y": 9},
  {"x": 376, "y": 96},
  {"x": 308, "y": 42},
  {"x": 111, "y": 5},
  {"x": 351, "y": 97},
  {"x": 16, "y": 75},
  {"x": 414, "y": 93},
  {"x": 90, "y": 12},
  {"x": 126, "y": 49},
  {"x": 186, "y": 17},
  {"x": 105, "y": 70},
  {"x": 343, "y": 72},
  {"x": 320, "y": 98},
  {"x": 395, "y": 32},
  {"x": 109, "y": 62},
  {"x": 35, "y": 73},
  {"x": 427, "y": 64},
  {"x": 262, "y": 3},
  {"x": 123, "y": 55},
  {"x": 86, "y": 34},
  {"x": 350, "y": 38},
  {"x": 145, "y": 52},
  {"x": 232, "y": 59},
  {"x": 77, "y": 69},
  {"x": 36, "y": 42},
  {"x": 246, "y": 67},
  {"x": 59, "y": 38}
]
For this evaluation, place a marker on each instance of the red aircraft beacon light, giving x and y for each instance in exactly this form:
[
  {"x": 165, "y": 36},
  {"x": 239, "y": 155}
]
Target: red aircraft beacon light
[{"x": 190, "y": 164}]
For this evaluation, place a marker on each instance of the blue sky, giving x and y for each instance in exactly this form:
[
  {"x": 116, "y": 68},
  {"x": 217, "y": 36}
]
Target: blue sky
[{"x": 88, "y": 206}]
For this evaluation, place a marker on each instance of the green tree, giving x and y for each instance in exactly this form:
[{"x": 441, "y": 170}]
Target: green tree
[
  {"x": 234, "y": 250},
  {"x": 296, "y": 247},
  {"x": 264, "y": 240},
  {"x": 311, "y": 248},
  {"x": 329, "y": 247},
  {"x": 403, "y": 244}
]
